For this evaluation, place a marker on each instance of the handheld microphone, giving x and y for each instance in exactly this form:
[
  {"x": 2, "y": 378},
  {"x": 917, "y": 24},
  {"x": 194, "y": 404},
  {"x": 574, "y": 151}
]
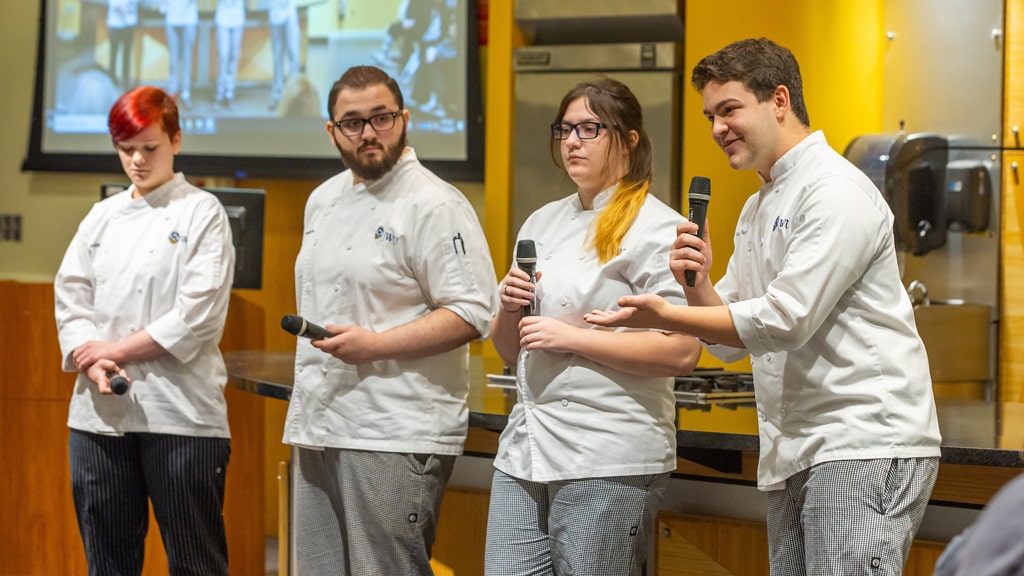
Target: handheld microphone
[
  {"x": 118, "y": 383},
  {"x": 526, "y": 260},
  {"x": 699, "y": 196},
  {"x": 298, "y": 326}
]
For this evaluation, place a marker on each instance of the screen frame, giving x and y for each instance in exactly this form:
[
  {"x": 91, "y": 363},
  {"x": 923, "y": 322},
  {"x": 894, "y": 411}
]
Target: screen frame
[{"x": 241, "y": 166}]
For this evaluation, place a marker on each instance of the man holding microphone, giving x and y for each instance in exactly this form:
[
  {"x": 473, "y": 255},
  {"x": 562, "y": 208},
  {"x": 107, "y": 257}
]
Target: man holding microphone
[{"x": 846, "y": 417}]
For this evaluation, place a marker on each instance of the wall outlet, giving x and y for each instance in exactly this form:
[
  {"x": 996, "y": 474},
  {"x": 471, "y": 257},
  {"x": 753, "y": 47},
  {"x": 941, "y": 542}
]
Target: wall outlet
[{"x": 10, "y": 227}]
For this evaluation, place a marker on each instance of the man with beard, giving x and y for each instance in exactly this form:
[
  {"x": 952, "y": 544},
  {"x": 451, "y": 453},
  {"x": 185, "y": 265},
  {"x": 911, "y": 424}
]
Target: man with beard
[{"x": 395, "y": 265}]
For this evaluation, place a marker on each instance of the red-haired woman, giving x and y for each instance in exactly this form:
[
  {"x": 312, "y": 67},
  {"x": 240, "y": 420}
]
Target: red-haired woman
[
  {"x": 143, "y": 293},
  {"x": 585, "y": 458}
]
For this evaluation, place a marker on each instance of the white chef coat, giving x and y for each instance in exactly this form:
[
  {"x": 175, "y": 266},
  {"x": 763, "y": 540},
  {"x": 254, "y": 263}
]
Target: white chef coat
[
  {"x": 163, "y": 262},
  {"x": 381, "y": 254},
  {"x": 280, "y": 11},
  {"x": 181, "y": 12},
  {"x": 122, "y": 13},
  {"x": 230, "y": 13},
  {"x": 813, "y": 286},
  {"x": 577, "y": 418}
]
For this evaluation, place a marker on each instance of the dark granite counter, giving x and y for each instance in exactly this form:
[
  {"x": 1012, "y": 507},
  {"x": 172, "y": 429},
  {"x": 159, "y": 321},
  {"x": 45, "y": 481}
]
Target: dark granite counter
[{"x": 974, "y": 432}]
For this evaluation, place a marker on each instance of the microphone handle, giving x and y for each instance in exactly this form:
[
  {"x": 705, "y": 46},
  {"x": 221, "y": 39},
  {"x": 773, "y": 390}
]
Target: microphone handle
[
  {"x": 315, "y": 332},
  {"x": 698, "y": 214},
  {"x": 531, "y": 269}
]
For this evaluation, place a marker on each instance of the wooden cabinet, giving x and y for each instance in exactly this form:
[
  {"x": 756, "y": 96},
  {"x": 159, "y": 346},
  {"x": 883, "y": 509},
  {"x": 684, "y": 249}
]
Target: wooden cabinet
[
  {"x": 1011, "y": 327},
  {"x": 700, "y": 546},
  {"x": 1013, "y": 77}
]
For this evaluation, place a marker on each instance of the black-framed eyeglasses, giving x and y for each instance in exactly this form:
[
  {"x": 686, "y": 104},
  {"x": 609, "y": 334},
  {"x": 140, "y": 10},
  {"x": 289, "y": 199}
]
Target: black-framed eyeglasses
[
  {"x": 584, "y": 130},
  {"x": 355, "y": 126}
]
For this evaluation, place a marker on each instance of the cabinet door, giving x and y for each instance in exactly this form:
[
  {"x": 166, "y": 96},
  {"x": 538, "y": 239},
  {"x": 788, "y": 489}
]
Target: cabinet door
[
  {"x": 1013, "y": 95},
  {"x": 1011, "y": 357}
]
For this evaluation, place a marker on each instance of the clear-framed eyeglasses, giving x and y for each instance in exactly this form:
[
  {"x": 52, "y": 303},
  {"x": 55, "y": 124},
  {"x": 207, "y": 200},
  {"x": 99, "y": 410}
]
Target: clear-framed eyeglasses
[
  {"x": 584, "y": 130},
  {"x": 355, "y": 126}
]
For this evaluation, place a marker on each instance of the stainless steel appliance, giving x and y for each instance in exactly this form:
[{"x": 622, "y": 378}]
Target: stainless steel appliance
[
  {"x": 638, "y": 43},
  {"x": 543, "y": 74}
]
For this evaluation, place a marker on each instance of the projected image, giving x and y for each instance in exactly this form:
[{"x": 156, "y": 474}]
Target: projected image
[{"x": 251, "y": 76}]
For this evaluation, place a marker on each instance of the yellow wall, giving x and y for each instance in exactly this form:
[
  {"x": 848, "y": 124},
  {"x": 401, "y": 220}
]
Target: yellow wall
[{"x": 839, "y": 48}]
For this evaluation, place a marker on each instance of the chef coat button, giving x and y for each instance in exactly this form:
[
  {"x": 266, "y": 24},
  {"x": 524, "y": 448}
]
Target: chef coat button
[
  {"x": 547, "y": 256},
  {"x": 768, "y": 357},
  {"x": 580, "y": 257},
  {"x": 782, "y": 412},
  {"x": 565, "y": 402},
  {"x": 323, "y": 369},
  {"x": 565, "y": 303},
  {"x": 763, "y": 416},
  {"x": 349, "y": 248},
  {"x": 336, "y": 289}
]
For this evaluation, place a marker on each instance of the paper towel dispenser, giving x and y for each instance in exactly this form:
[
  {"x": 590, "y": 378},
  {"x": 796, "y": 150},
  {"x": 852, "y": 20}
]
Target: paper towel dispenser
[
  {"x": 968, "y": 195},
  {"x": 926, "y": 193}
]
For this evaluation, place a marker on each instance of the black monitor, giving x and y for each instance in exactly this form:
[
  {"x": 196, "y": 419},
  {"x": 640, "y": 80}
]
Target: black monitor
[
  {"x": 268, "y": 129},
  {"x": 244, "y": 207}
]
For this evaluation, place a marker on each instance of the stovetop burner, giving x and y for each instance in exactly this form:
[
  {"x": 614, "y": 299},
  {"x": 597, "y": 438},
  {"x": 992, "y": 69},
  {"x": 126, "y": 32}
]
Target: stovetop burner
[{"x": 708, "y": 385}]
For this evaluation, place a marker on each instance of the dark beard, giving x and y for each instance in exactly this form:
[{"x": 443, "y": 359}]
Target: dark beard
[{"x": 373, "y": 170}]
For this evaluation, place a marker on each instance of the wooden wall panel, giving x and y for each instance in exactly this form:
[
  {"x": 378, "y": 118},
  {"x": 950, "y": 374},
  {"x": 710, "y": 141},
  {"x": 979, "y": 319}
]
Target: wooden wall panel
[
  {"x": 699, "y": 546},
  {"x": 695, "y": 545},
  {"x": 28, "y": 340},
  {"x": 462, "y": 530},
  {"x": 38, "y": 531},
  {"x": 282, "y": 237}
]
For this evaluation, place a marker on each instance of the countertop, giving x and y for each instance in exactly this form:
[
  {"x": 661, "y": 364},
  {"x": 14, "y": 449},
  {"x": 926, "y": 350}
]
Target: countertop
[{"x": 974, "y": 432}]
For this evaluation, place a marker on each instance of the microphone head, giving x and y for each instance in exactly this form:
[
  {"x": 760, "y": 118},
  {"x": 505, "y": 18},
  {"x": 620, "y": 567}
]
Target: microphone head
[
  {"x": 526, "y": 251},
  {"x": 700, "y": 188},
  {"x": 292, "y": 324},
  {"x": 119, "y": 384}
]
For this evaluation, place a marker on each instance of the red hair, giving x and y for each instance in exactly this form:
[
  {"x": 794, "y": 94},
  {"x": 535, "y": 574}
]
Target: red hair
[{"x": 140, "y": 108}]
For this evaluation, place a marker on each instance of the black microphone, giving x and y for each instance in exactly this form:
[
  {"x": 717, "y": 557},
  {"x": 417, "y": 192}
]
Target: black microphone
[
  {"x": 118, "y": 383},
  {"x": 699, "y": 196},
  {"x": 526, "y": 260},
  {"x": 298, "y": 326}
]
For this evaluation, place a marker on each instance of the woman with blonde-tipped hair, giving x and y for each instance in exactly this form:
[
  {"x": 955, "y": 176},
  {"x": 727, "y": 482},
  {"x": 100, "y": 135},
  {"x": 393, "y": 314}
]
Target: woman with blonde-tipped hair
[{"x": 583, "y": 463}]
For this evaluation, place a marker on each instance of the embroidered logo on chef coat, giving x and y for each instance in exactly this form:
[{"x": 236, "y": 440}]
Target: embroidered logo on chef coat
[
  {"x": 780, "y": 222},
  {"x": 386, "y": 236},
  {"x": 174, "y": 238}
]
